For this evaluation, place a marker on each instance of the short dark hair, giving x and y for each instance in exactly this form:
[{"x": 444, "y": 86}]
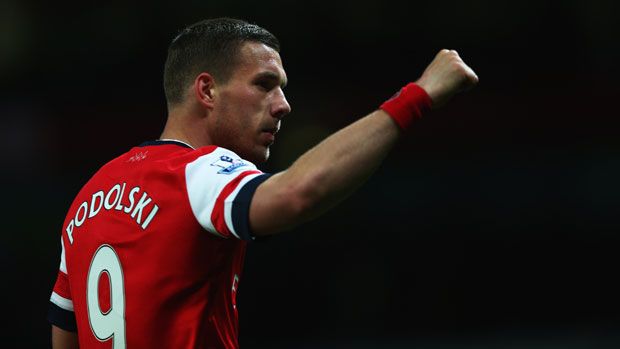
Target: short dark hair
[{"x": 212, "y": 46}]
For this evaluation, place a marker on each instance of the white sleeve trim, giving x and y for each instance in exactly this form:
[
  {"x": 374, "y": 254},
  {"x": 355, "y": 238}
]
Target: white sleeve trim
[
  {"x": 228, "y": 202},
  {"x": 206, "y": 177},
  {"x": 63, "y": 261},
  {"x": 61, "y": 301}
]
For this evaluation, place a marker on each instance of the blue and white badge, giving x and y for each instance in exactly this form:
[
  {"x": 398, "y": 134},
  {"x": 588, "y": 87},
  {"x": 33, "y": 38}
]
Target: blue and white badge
[{"x": 228, "y": 164}]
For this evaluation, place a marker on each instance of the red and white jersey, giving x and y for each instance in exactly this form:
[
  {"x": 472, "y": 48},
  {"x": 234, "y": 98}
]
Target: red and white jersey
[{"x": 153, "y": 247}]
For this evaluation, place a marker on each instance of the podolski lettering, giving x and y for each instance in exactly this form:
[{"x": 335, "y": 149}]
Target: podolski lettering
[{"x": 114, "y": 200}]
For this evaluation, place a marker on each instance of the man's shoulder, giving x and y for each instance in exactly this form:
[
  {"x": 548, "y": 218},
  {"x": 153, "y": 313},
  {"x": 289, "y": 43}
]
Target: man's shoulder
[
  {"x": 156, "y": 153},
  {"x": 211, "y": 155},
  {"x": 146, "y": 158},
  {"x": 166, "y": 158}
]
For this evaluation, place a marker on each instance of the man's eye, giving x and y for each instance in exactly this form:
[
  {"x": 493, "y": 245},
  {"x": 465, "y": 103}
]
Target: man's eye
[{"x": 265, "y": 86}]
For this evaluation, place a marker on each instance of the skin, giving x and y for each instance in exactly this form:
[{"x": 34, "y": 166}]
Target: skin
[
  {"x": 244, "y": 113},
  {"x": 239, "y": 115},
  {"x": 333, "y": 169},
  {"x": 62, "y": 339}
]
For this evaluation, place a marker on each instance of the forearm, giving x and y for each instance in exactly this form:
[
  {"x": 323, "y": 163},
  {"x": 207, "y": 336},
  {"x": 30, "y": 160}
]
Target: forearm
[
  {"x": 326, "y": 174},
  {"x": 341, "y": 163},
  {"x": 329, "y": 172}
]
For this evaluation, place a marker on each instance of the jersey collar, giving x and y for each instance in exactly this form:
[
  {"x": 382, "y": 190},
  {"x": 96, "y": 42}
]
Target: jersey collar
[{"x": 166, "y": 141}]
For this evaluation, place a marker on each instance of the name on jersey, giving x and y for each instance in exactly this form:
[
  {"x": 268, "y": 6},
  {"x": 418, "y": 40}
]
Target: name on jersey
[{"x": 140, "y": 205}]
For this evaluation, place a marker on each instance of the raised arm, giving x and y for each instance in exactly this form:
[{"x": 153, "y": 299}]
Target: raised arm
[{"x": 333, "y": 169}]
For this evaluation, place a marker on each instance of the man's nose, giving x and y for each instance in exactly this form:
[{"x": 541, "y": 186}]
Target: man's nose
[{"x": 280, "y": 106}]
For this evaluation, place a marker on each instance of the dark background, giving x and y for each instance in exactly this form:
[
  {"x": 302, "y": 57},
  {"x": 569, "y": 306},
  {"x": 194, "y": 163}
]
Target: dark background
[{"x": 494, "y": 225}]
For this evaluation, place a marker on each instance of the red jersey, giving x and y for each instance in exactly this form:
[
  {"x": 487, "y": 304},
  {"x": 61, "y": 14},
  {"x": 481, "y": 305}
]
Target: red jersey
[{"x": 153, "y": 247}]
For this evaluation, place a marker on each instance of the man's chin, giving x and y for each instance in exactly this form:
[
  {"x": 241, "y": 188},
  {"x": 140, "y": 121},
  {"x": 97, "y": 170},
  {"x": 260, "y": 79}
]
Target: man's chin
[
  {"x": 265, "y": 156},
  {"x": 259, "y": 156}
]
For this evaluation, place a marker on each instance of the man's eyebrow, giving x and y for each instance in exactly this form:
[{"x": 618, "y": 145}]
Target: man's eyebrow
[{"x": 271, "y": 76}]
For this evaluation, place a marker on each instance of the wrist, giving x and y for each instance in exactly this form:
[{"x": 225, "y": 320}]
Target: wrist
[{"x": 407, "y": 105}]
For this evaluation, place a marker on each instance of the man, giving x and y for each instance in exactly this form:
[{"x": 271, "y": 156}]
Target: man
[{"x": 153, "y": 245}]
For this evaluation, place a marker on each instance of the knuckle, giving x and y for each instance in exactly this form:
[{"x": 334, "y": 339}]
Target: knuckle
[{"x": 461, "y": 71}]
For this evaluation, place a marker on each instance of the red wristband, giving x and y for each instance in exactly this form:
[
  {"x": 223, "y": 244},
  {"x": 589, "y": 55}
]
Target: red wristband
[{"x": 407, "y": 105}]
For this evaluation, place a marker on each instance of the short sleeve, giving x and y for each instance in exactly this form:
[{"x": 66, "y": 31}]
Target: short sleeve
[
  {"x": 214, "y": 182},
  {"x": 61, "y": 311}
]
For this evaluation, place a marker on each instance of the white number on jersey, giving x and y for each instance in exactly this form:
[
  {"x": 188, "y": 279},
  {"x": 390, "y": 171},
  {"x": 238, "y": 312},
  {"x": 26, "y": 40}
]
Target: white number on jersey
[{"x": 110, "y": 324}]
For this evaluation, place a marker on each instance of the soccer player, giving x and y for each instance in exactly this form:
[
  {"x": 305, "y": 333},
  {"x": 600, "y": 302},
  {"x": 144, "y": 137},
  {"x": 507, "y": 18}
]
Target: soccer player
[{"x": 153, "y": 245}]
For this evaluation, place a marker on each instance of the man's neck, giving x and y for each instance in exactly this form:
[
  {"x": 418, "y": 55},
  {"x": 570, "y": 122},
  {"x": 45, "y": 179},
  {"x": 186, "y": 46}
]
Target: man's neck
[{"x": 187, "y": 127}]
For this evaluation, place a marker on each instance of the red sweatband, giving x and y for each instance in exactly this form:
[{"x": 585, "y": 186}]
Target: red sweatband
[{"x": 407, "y": 105}]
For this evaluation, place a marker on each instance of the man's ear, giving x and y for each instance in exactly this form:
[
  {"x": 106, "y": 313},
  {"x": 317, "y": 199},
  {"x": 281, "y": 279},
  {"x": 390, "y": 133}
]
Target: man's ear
[{"x": 204, "y": 86}]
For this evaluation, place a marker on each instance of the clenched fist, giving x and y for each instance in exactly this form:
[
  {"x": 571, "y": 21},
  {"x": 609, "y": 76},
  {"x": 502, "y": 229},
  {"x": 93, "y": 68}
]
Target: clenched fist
[{"x": 446, "y": 76}]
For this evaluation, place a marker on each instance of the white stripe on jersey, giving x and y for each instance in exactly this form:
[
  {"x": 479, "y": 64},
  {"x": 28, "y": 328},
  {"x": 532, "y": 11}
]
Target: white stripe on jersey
[
  {"x": 229, "y": 201},
  {"x": 204, "y": 185},
  {"x": 61, "y": 301},
  {"x": 63, "y": 262}
]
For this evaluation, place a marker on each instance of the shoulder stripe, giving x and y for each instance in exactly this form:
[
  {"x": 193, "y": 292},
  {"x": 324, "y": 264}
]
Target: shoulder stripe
[
  {"x": 228, "y": 204},
  {"x": 209, "y": 180},
  {"x": 218, "y": 215}
]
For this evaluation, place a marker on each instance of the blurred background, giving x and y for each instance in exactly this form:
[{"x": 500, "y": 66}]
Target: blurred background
[{"x": 494, "y": 225}]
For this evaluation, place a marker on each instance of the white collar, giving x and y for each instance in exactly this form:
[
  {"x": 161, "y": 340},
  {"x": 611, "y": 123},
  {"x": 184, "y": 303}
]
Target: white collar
[{"x": 176, "y": 140}]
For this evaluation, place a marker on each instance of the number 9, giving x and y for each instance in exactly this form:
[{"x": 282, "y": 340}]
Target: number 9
[{"x": 111, "y": 323}]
